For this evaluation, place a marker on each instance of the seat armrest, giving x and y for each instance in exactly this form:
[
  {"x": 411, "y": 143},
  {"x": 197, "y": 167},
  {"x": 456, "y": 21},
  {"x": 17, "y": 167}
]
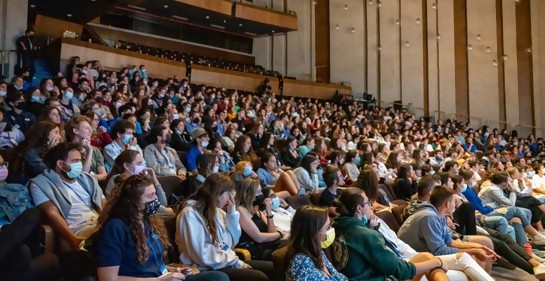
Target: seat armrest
[
  {"x": 49, "y": 239},
  {"x": 243, "y": 254}
]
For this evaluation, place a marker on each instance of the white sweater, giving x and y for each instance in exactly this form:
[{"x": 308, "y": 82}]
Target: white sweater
[{"x": 195, "y": 241}]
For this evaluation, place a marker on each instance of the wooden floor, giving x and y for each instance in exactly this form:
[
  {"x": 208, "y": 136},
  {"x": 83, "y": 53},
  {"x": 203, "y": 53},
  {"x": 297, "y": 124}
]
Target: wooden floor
[{"x": 502, "y": 274}]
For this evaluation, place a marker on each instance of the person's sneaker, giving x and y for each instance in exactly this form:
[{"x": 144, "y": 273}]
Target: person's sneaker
[
  {"x": 538, "y": 239},
  {"x": 539, "y": 271}
]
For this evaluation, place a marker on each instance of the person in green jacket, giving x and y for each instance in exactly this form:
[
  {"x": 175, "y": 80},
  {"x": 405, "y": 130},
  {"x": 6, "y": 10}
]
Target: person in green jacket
[{"x": 370, "y": 255}]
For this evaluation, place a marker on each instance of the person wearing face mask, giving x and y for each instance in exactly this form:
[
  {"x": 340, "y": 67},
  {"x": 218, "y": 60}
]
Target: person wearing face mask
[
  {"x": 25, "y": 50},
  {"x": 69, "y": 108},
  {"x": 259, "y": 233},
  {"x": 131, "y": 239},
  {"x": 122, "y": 132},
  {"x": 9, "y": 135},
  {"x": 17, "y": 116},
  {"x": 353, "y": 160},
  {"x": 200, "y": 143},
  {"x": 376, "y": 256},
  {"x": 34, "y": 101},
  {"x": 181, "y": 139},
  {"x": 290, "y": 155},
  {"x": 310, "y": 229},
  {"x": 207, "y": 230}
]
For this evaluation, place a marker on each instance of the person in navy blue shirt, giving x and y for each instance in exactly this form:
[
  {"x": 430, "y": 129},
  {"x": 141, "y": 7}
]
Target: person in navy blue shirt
[
  {"x": 200, "y": 142},
  {"x": 131, "y": 241}
]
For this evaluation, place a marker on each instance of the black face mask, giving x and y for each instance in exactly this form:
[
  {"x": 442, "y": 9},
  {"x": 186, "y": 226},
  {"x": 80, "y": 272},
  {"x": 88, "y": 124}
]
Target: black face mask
[
  {"x": 259, "y": 200},
  {"x": 197, "y": 120},
  {"x": 99, "y": 99}
]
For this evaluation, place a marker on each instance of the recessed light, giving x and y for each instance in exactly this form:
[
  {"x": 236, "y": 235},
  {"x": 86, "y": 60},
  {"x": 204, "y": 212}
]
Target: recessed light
[
  {"x": 272, "y": 31},
  {"x": 240, "y": 24},
  {"x": 166, "y": 6},
  {"x": 32, "y": 6},
  {"x": 69, "y": 15},
  {"x": 207, "y": 17},
  {"x": 224, "y": 21}
]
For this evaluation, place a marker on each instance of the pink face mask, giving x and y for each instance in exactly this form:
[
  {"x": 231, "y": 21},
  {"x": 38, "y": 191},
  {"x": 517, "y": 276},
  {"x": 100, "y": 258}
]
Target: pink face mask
[
  {"x": 3, "y": 173},
  {"x": 138, "y": 169}
]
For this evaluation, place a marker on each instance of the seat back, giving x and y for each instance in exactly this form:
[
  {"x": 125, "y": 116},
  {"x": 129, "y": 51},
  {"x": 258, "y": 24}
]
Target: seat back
[
  {"x": 171, "y": 185},
  {"x": 397, "y": 211},
  {"x": 387, "y": 191},
  {"x": 315, "y": 198},
  {"x": 298, "y": 201},
  {"x": 280, "y": 263},
  {"x": 173, "y": 255},
  {"x": 389, "y": 219},
  {"x": 183, "y": 157}
]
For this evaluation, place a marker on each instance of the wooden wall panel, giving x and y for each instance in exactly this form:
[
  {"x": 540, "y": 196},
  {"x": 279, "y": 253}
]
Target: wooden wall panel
[
  {"x": 54, "y": 28},
  {"x": 432, "y": 57},
  {"x": 525, "y": 64},
  {"x": 447, "y": 63},
  {"x": 538, "y": 60},
  {"x": 461, "y": 44},
  {"x": 372, "y": 64}
]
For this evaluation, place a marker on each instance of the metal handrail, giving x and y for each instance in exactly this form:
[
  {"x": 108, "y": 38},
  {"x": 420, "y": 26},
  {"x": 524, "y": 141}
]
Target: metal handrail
[
  {"x": 2, "y": 61},
  {"x": 9, "y": 58},
  {"x": 506, "y": 124}
]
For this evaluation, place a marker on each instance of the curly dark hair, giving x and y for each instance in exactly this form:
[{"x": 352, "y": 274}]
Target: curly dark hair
[{"x": 125, "y": 204}]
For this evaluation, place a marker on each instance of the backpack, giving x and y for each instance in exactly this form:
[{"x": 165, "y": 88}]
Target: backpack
[{"x": 339, "y": 253}]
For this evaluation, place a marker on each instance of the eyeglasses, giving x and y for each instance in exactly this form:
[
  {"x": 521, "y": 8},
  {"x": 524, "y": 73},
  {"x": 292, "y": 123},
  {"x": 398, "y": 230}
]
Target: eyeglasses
[{"x": 368, "y": 203}]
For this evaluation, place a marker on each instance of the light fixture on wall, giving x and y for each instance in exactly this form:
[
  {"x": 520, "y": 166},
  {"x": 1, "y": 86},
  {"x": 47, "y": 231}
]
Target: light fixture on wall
[
  {"x": 379, "y": 48},
  {"x": 479, "y": 37},
  {"x": 379, "y": 4},
  {"x": 337, "y": 27},
  {"x": 346, "y": 7},
  {"x": 438, "y": 36},
  {"x": 370, "y": 2},
  {"x": 495, "y": 63},
  {"x": 353, "y": 30},
  {"x": 504, "y": 57},
  {"x": 418, "y": 21},
  {"x": 314, "y": 2},
  {"x": 469, "y": 47},
  {"x": 434, "y": 5},
  {"x": 517, "y": 1},
  {"x": 407, "y": 44},
  {"x": 488, "y": 49},
  {"x": 397, "y": 21},
  {"x": 529, "y": 50}
]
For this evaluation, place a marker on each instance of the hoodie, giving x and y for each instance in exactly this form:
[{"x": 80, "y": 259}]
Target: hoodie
[
  {"x": 371, "y": 257},
  {"x": 426, "y": 231}
]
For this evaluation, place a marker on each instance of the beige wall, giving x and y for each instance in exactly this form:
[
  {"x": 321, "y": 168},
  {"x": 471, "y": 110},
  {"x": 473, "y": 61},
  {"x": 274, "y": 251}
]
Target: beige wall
[
  {"x": 13, "y": 19},
  {"x": 399, "y": 71}
]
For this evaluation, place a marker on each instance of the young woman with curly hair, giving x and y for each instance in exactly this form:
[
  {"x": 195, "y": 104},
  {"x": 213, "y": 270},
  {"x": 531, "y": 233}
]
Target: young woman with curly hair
[{"x": 131, "y": 240}]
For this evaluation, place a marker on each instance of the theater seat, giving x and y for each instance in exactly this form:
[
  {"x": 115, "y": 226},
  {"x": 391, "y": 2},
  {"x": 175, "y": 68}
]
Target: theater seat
[
  {"x": 389, "y": 219},
  {"x": 397, "y": 211},
  {"x": 315, "y": 198},
  {"x": 171, "y": 185},
  {"x": 280, "y": 263},
  {"x": 298, "y": 201}
]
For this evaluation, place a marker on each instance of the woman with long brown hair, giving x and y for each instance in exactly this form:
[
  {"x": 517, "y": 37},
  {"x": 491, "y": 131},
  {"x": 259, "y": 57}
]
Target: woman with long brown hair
[
  {"x": 310, "y": 229},
  {"x": 28, "y": 161},
  {"x": 206, "y": 234},
  {"x": 131, "y": 239}
]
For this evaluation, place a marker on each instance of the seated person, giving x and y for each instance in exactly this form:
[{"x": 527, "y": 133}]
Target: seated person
[
  {"x": 243, "y": 150},
  {"x": 130, "y": 163},
  {"x": 405, "y": 184},
  {"x": 426, "y": 230},
  {"x": 375, "y": 256},
  {"x": 9, "y": 135},
  {"x": 161, "y": 158},
  {"x": 333, "y": 179},
  {"x": 259, "y": 233},
  {"x": 290, "y": 156},
  {"x": 78, "y": 130},
  {"x": 225, "y": 160},
  {"x": 122, "y": 133},
  {"x": 45, "y": 135},
  {"x": 206, "y": 234},
  {"x": 311, "y": 228},
  {"x": 70, "y": 199},
  {"x": 131, "y": 239},
  {"x": 207, "y": 165},
  {"x": 353, "y": 160},
  {"x": 368, "y": 181},
  {"x": 17, "y": 116},
  {"x": 273, "y": 177},
  {"x": 307, "y": 174},
  {"x": 181, "y": 139},
  {"x": 200, "y": 143}
]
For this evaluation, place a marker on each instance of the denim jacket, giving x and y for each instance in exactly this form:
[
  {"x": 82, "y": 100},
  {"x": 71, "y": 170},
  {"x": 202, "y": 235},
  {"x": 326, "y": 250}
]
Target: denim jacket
[{"x": 14, "y": 200}]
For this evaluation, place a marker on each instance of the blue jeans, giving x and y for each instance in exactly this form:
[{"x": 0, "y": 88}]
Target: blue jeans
[{"x": 523, "y": 214}]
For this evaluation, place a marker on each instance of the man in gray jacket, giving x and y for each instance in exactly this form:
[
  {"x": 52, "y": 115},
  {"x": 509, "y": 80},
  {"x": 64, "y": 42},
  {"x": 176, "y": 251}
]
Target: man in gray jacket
[
  {"x": 70, "y": 199},
  {"x": 426, "y": 230}
]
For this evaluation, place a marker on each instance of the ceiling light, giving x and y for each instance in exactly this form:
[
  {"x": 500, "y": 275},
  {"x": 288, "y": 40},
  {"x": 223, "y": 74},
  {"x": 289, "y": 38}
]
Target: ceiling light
[
  {"x": 224, "y": 21},
  {"x": 272, "y": 31},
  {"x": 346, "y": 7},
  {"x": 207, "y": 17},
  {"x": 69, "y": 15},
  {"x": 240, "y": 24},
  {"x": 32, "y": 6},
  {"x": 166, "y": 6}
]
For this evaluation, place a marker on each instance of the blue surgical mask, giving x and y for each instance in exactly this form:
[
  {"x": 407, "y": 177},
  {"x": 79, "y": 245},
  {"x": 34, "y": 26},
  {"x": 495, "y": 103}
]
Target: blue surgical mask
[
  {"x": 127, "y": 138},
  {"x": 204, "y": 144},
  {"x": 275, "y": 203},
  {"x": 473, "y": 184},
  {"x": 68, "y": 95},
  {"x": 464, "y": 187},
  {"x": 75, "y": 170},
  {"x": 365, "y": 219},
  {"x": 37, "y": 99},
  {"x": 358, "y": 160},
  {"x": 247, "y": 171},
  {"x": 531, "y": 174}
]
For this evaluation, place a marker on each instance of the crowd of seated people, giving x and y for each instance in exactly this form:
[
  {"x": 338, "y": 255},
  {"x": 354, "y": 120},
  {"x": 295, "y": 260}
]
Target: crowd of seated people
[{"x": 146, "y": 178}]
